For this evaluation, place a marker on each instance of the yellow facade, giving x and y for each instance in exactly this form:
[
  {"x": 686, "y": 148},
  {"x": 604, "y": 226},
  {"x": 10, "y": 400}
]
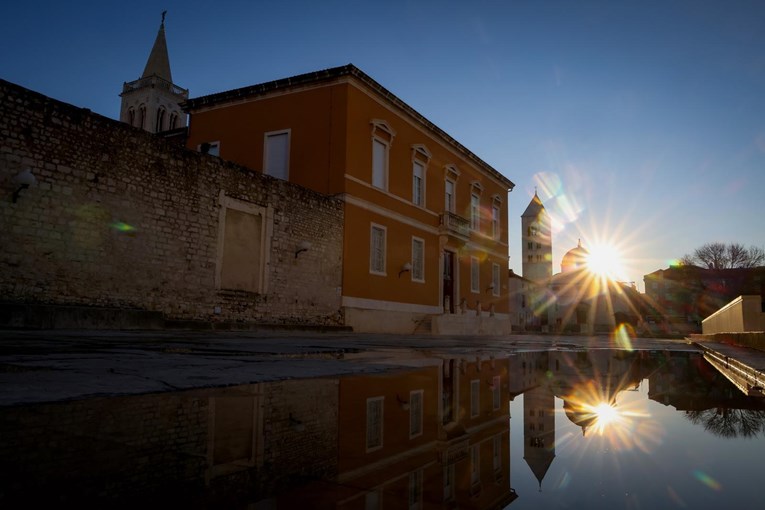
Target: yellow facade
[{"x": 409, "y": 252}]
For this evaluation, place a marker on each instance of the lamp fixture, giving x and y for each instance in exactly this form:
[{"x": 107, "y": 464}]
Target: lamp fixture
[
  {"x": 405, "y": 269},
  {"x": 490, "y": 287},
  {"x": 404, "y": 404},
  {"x": 24, "y": 179},
  {"x": 303, "y": 246}
]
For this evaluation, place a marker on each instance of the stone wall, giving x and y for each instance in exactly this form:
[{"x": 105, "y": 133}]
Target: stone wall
[{"x": 123, "y": 219}]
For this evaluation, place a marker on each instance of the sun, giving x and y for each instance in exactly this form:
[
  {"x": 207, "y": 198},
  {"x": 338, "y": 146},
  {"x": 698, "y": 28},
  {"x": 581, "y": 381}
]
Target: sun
[{"x": 605, "y": 261}]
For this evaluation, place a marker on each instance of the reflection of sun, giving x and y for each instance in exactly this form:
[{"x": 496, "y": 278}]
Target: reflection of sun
[
  {"x": 605, "y": 261},
  {"x": 605, "y": 414}
]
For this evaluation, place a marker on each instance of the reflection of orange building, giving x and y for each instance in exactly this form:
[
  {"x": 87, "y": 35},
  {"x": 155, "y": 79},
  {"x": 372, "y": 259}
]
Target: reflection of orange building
[
  {"x": 430, "y": 437},
  {"x": 425, "y": 219}
]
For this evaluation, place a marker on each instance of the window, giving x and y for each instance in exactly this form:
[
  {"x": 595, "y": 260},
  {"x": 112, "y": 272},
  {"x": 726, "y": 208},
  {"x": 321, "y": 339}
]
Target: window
[
  {"x": 418, "y": 176},
  {"x": 160, "y": 120},
  {"x": 276, "y": 154},
  {"x": 375, "y": 423},
  {"x": 372, "y": 500},
  {"x": 532, "y": 231},
  {"x": 379, "y": 164},
  {"x": 496, "y": 392},
  {"x": 415, "y": 489},
  {"x": 475, "y": 211},
  {"x": 415, "y": 413},
  {"x": 449, "y": 196},
  {"x": 497, "y": 454},
  {"x": 531, "y": 257},
  {"x": 495, "y": 284},
  {"x": 475, "y": 395},
  {"x": 211, "y": 148},
  {"x": 530, "y": 246},
  {"x": 142, "y": 116},
  {"x": 377, "y": 250},
  {"x": 173, "y": 121},
  {"x": 131, "y": 116},
  {"x": 382, "y": 137},
  {"x": 475, "y": 468},
  {"x": 449, "y": 476},
  {"x": 418, "y": 260},
  {"x": 495, "y": 221},
  {"x": 539, "y": 245},
  {"x": 475, "y": 284}
]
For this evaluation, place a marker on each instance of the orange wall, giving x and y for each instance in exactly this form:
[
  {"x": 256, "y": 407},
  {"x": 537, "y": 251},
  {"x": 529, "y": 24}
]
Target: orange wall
[{"x": 316, "y": 118}]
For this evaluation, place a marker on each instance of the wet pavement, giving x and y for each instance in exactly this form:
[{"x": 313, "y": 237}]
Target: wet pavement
[{"x": 53, "y": 366}]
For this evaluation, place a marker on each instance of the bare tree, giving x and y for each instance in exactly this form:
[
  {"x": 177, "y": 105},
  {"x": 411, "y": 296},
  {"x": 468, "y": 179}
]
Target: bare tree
[{"x": 724, "y": 256}]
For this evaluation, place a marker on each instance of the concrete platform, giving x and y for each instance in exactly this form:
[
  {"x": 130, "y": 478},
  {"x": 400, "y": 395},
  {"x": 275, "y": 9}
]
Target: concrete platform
[{"x": 743, "y": 366}]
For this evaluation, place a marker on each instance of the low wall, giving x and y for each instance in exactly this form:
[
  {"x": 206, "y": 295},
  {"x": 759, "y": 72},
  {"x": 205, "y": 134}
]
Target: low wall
[{"x": 743, "y": 314}]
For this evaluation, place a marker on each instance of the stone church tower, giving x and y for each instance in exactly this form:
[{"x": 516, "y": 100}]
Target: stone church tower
[
  {"x": 536, "y": 248},
  {"x": 152, "y": 101}
]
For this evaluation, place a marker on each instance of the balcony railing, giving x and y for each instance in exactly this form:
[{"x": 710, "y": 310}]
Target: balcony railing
[
  {"x": 155, "y": 81},
  {"x": 455, "y": 224}
]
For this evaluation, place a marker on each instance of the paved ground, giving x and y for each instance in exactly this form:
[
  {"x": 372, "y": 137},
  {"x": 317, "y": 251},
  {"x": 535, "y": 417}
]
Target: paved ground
[{"x": 50, "y": 366}]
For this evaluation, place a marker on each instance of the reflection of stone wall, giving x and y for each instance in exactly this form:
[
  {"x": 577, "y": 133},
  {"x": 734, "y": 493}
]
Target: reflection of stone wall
[
  {"x": 121, "y": 218},
  {"x": 119, "y": 446}
]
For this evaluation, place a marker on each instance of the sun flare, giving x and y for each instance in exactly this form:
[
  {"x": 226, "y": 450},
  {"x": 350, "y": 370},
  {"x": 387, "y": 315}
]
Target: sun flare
[{"x": 605, "y": 261}]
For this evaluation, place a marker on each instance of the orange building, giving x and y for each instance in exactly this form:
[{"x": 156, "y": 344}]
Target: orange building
[{"x": 425, "y": 229}]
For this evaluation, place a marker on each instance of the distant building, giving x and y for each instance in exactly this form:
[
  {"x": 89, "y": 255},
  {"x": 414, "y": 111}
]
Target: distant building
[
  {"x": 425, "y": 232},
  {"x": 152, "y": 102},
  {"x": 682, "y": 296}
]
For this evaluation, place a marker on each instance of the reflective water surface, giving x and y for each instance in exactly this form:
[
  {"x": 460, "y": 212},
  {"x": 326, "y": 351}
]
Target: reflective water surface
[{"x": 556, "y": 429}]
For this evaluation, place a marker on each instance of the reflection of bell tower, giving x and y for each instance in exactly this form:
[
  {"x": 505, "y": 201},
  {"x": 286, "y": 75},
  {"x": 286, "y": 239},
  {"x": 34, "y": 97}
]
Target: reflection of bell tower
[
  {"x": 536, "y": 248},
  {"x": 152, "y": 102},
  {"x": 539, "y": 430}
]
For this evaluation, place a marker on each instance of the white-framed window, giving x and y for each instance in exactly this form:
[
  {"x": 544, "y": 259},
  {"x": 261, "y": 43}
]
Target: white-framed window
[
  {"x": 382, "y": 138},
  {"x": 497, "y": 454},
  {"x": 415, "y": 413},
  {"x": 475, "y": 212},
  {"x": 374, "y": 423},
  {"x": 495, "y": 221},
  {"x": 496, "y": 392},
  {"x": 160, "y": 125},
  {"x": 377, "y": 249},
  {"x": 475, "y": 397},
  {"x": 449, "y": 478},
  {"x": 373, "y": 500},
  {"x": 276, "y": 154},
  {"x": 495, "y": 279},
  {"x": 449, "y": 196},
  {"x": 475, "y": 283},
  {"x": 418, "y": 260},
  {"x": 475, "y": 465},
  {"x": 418, "y": 183},
  {"x": 211, "y": 148},
  {"x": 415, "y": 490}
]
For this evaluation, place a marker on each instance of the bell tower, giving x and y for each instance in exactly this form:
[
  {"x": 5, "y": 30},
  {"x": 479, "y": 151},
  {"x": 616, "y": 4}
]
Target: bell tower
[
  {"x": 152, "y": 102},
  {"x": 537, "y": 242}
]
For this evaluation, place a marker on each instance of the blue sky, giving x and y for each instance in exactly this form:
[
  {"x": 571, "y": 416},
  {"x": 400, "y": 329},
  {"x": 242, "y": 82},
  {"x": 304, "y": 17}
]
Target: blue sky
[{"x": 641, "y": 123}]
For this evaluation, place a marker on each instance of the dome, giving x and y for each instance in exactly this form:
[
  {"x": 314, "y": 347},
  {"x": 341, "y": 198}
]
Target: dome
[{"x": 575, "y": 258}]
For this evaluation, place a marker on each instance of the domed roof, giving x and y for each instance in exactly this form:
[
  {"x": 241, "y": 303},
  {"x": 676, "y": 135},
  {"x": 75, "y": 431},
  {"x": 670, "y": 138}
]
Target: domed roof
[{"x": 575, "y": 258}]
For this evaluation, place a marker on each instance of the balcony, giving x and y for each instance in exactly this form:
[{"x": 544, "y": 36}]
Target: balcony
[{"x": 454, "y": 225}]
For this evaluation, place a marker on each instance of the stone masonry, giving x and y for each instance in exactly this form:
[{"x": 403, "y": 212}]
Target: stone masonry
[{"x": 122, "y": 219}]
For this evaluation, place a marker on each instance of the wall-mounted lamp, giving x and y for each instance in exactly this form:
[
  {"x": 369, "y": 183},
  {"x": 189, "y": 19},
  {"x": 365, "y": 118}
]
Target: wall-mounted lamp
[
  {"x": 405, "y": 269},
  {"x": 296, "y": 424},
  {"x": 303, "y": 246},
  {"x": 404, "y": 404},
  {"x": 490, "y": 287},
  {"x": 24, "y": 179}
]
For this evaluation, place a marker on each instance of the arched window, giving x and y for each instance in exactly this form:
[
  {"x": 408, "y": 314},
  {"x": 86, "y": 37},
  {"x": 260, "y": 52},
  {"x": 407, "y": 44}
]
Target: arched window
[
  {"x": 173, "y": 121},
  {"x": 160, "y": 120},
  {"x": 142, "y": 116},
  {"x": 131, "y": 116}
]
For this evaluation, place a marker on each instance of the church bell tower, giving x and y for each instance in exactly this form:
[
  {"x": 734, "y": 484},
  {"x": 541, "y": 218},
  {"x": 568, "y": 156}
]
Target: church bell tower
[
  {"x": 152, "y": 102},
  {"x": 537, "y": 242}
]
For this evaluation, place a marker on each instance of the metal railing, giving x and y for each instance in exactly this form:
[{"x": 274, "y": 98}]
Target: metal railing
[{"x": 455, "y": 224}]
